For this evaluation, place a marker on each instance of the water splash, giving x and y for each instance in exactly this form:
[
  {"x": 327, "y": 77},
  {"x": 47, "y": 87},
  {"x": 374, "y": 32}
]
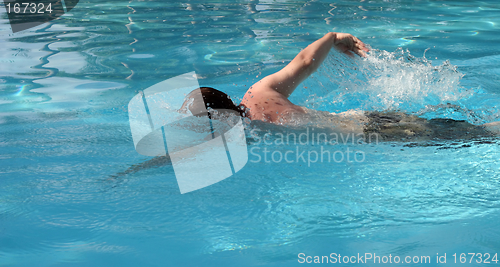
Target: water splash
[{"x": 384, "y": 81}]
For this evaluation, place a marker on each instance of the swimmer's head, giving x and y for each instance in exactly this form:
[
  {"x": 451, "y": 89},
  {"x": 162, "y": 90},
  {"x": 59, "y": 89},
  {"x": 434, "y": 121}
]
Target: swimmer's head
[{"x": 213, "y": 99}]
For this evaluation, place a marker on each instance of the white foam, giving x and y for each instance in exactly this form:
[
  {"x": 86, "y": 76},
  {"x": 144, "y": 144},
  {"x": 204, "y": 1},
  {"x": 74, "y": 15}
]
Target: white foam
[{"x": 383, "y": 81}]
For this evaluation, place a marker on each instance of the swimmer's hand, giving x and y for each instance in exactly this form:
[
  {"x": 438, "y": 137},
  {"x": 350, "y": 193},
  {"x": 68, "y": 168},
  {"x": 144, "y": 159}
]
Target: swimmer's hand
[{"x": 346, "y": 43}]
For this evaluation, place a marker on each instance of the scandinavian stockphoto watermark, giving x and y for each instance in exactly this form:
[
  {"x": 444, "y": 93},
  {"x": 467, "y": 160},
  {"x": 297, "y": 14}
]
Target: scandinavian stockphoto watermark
[
  {"x": 203, "y": 151},
  {"x": 25, "y": 14},
  {"x": 310, "y": 146}
]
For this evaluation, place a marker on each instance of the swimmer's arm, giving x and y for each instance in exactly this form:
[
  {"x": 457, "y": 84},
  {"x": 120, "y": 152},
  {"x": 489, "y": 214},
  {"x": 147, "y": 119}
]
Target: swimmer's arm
[{"x": 308, "y": 60}]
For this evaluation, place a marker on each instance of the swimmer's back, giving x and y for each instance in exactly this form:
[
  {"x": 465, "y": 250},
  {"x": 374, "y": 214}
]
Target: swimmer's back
[{"x": 398, "y": 126}]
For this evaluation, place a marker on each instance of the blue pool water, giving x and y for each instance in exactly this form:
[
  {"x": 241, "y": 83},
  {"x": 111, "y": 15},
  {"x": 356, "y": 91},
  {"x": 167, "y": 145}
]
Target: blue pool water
[{"x": 66, "y": 198}]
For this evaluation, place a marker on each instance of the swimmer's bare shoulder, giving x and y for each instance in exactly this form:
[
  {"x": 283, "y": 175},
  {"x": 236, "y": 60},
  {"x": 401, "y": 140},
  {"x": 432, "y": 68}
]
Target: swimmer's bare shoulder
[
  {"x": 267, "y": 99},
  {"x": 266, "y": 104}
]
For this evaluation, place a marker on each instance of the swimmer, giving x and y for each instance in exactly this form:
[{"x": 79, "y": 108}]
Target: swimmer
[{"x": 267, "y": 100}]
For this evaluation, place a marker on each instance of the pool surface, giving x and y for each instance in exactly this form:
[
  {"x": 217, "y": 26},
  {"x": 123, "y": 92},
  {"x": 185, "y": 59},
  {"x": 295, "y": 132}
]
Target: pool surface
[{"x": 74, "y": 191}]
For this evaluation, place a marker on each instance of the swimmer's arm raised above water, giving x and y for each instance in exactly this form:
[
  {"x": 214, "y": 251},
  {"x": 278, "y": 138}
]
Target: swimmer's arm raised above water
[{"x": 308, "y": 60}]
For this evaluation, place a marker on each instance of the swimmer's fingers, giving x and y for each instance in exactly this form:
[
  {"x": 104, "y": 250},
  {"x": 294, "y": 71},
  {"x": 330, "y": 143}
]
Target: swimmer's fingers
[
  {"x": 359, "y": 47},
  {"x": 347, "y": 43}
]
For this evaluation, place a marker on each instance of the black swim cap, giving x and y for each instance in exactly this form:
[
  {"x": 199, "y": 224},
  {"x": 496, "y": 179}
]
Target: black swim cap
[{"x": 212, "y": 99}]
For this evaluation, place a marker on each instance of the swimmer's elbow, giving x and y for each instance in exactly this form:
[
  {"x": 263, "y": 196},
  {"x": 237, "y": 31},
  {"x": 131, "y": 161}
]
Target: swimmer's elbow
[
  {"x": 307, "y": 59},
  {"x": 307, "y": 64}
]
